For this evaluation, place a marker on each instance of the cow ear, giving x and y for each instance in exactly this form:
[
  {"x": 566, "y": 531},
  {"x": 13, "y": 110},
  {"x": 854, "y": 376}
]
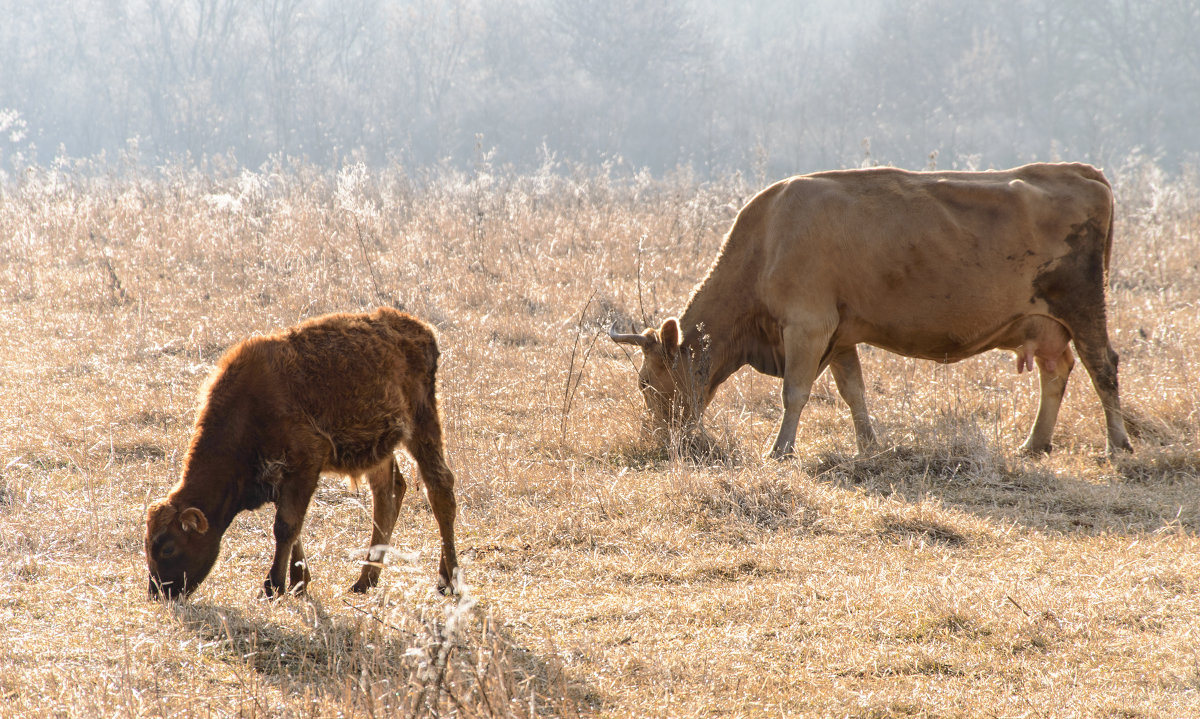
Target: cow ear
[
  {"x": 668, "y": 335},
  {"x": 193, "y": 520}
]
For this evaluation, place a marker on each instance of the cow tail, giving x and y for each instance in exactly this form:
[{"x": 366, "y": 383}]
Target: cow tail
[{"x": 1108, "y": 241}]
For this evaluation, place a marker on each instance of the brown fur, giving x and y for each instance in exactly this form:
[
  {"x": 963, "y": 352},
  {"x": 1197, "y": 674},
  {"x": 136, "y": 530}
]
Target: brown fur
[
  {"x": 934, "y": 265},
  {"x": 335, "y": 394}
]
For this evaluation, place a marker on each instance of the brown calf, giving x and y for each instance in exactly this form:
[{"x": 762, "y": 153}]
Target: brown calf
[{"x": 334, "y": 394}]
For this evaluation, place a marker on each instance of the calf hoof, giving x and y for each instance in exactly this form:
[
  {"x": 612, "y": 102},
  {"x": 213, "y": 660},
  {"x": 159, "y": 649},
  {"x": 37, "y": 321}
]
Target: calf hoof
[
  {"x": 362, "y": 586},
  {"x": 298, "y": 577},
  {"x": 368, "y": 578},
  {"x": 272, "y": 590},
  {"x": 448, "y": 588}
]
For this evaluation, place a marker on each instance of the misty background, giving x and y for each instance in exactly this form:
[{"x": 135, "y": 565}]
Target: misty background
[{"x": 774, "y": 86}]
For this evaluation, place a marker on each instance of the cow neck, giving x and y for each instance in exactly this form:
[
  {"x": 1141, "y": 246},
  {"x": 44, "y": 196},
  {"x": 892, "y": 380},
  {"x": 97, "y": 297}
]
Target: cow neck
[
  {"x": 714, "y": 332},
  {"x": 724, "y": 320},
  {"x": 721, "y": 323}
]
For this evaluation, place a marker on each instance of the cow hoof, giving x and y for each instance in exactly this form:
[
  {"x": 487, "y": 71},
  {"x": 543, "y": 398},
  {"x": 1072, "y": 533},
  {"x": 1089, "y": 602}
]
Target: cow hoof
[
  {"x": 1124, "y": 448},
  {"x": 361, "y": 587},
  {"x": 1036, "y": 450},
  {"x": 271, "y": 590}
]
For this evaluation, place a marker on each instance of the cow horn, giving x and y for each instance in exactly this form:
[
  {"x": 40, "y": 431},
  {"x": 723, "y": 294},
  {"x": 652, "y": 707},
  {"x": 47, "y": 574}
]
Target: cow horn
[{"x": 629, "y": 339}]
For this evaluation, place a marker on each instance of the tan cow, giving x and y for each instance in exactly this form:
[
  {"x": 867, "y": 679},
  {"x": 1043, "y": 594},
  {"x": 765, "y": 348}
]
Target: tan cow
[
  {"x": 337, "y": 394},
  {"x": 935, "y": 265}
]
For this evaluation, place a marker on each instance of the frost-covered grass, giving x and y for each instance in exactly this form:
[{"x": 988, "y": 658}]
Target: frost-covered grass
[{"x": 943, "y": 576}]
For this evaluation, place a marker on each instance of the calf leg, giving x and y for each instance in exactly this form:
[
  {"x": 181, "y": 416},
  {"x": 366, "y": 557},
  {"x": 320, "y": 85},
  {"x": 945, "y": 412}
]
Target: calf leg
[
  {"x": 387, "y": 492},
  {"x": 296, "y": 491},
  {"x": 1053, "y": 387},
  {"x": 847, "y": 373},
  {"x": 298, "y": 576},
  {"x": 802, "y": 365},
  {"x": 426, "y": 448}
]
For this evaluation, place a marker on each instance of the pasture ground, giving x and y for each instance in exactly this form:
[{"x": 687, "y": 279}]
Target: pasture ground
[{"x": 943, "y": 576}]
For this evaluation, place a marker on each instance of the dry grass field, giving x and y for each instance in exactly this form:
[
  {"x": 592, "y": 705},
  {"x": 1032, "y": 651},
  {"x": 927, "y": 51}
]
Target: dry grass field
[{"x": 945, "y": 576}]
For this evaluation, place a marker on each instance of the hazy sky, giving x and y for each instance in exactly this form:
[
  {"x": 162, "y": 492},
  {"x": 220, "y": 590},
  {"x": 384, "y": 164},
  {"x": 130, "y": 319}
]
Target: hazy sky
[{"x": 787, "y": 85}]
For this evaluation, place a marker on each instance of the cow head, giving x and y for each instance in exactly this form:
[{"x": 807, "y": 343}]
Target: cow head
[
  {"x": 667, "y": 378},
  {"x": 180, "y": 549}
]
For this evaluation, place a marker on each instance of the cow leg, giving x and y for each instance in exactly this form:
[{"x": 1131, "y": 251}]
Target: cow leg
[
  {"x": 298, "y": 577},
  {"x": 296, "y": 491},
  {"x": 387, "y": 492},
  {"x": 1100, "y": 360},
  {"x": 801, "y": 367},
  {"x": 847, "y": 374},
  {"x": 426, "y": 448},
  {"x": 1053, "y": 387}
]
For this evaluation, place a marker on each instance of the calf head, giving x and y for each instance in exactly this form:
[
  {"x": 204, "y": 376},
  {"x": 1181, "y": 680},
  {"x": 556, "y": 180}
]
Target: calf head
[
  {"x": 180, "y": 549},
  {"x": 666, "y": 379}
]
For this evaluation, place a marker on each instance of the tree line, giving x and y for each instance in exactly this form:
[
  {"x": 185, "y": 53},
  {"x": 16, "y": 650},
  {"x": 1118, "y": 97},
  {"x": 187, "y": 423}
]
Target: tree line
[{"x": 772, "y": 86}]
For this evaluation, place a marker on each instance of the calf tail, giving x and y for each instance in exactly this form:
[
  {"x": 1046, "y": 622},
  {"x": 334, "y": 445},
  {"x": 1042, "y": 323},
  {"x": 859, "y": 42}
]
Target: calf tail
[
  {"x": 429, "y": 409},
  {"x": 431, "y": 360},
  {"x": 427, "y": 430}
]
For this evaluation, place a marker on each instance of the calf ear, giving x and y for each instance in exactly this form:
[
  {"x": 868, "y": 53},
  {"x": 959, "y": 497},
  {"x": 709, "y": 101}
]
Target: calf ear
[
  {"x": 668, "y": 335},
  {"x": 193, "y": 520}
]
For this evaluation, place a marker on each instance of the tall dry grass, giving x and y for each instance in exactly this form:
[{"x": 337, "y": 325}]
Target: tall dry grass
[{"x": 943, "y": 576}]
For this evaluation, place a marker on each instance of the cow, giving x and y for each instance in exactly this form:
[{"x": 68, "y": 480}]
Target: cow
[
  {"x": 336, "y": 394},
  {"x": 932, "y": 265}
]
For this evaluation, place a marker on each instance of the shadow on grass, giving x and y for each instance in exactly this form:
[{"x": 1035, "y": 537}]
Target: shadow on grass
[
  {"x": 378, "y": 659},
  {"x": 1148, "y": 492}
]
